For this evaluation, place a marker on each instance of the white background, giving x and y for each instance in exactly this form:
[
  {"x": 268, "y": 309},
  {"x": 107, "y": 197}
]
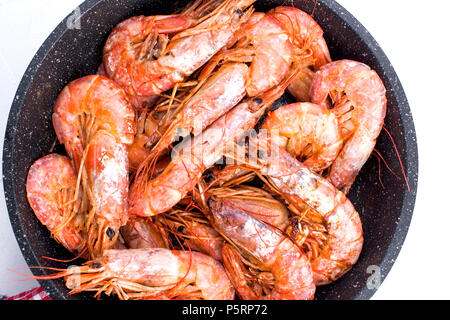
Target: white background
[{"x": 414, "y": 35}]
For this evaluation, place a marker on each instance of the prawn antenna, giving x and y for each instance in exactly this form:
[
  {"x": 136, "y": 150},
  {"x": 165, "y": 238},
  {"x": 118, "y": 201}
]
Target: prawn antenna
[
  {"x": 314, "y": 8},
  {"x": 79, "y": 255},
  {"x": 379, "y": 169},
  {"x": 398, "y": 157}
]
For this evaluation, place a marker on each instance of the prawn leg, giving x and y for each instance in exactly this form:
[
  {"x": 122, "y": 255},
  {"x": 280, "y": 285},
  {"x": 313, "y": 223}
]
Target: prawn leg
[{"x": 359, "y": 102}]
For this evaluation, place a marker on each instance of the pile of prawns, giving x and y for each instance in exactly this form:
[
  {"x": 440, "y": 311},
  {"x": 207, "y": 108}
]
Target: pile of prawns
[{"x": 207, "y": 217}]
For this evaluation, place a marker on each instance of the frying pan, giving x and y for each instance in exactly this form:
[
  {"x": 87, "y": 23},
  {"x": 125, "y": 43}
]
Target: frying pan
[{"x": 383, "y": 199}]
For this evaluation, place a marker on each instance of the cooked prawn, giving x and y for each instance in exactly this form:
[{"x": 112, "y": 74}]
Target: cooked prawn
[
  {"x": 187, "y": 51},
  {"x": 154, "y": 273},
  {"x": 359, "y": 101},
  {"x": 87, "y": 105},
  {"x": 264, "y": 44},
  {"x": 132, "y": 44},
  {"x": 308, "y": 131},
  {"x": 94, "y": 120},
  {"x": 285, "y": 272},
  {"x": 51, "y": 192},
  {"x": 301, "y": 187}
]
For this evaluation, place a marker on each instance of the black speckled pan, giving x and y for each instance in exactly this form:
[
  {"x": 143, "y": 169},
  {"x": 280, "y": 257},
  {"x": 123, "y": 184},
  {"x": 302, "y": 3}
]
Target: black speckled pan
[{"x": 69, "y": 53}]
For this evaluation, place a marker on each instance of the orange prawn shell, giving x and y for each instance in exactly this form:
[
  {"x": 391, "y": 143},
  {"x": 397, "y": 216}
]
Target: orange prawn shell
[
  {"x": 344, "y": 227},
  {"x": 107, "y": 168},
  {"x": 362, "y": 85},
  {"x": 97, "y": 98},
  {"x": 273, "y": 251},
  {"x": 45, "y": 178},
  {"x": 273, "y": 213},
  {"x": 365, "y": 92},
  {"x": 168, "y": 273},
  {"x": 221, "y": 92},
  {"x": 119, "y": 59},
  {"x": 205, "y": 239},
  {"x": 336, "y": 259},
  {"x": 141, "y": 233}
]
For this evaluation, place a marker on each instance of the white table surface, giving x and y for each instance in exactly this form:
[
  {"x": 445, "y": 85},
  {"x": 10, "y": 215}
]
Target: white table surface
[{"x": 414, "y": 34}]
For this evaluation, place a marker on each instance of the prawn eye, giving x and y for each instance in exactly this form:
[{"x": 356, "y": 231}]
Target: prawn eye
[
  {"x": 209, "y": 176},
  {"x": 239, "y": 11},
  {"x": 210, "y": 202},
  {"x": 258, "y": 100},
  {"x": 110, "y": 233},
  {"x": 95, "y": 265}
]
